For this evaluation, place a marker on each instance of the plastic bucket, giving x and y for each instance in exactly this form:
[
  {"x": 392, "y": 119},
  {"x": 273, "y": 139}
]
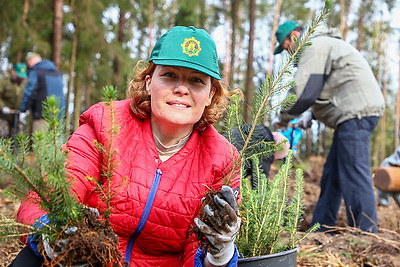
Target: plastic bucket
[{"x": 281, "y": 259}]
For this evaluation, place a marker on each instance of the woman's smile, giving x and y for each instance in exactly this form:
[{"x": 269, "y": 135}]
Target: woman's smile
[{"x": 178, "y": 104}]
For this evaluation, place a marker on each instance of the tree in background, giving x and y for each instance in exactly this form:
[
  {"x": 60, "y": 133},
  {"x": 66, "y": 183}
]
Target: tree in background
[
  {"x": 250, "y": 59},
  {"x": 57, "y": 32}
]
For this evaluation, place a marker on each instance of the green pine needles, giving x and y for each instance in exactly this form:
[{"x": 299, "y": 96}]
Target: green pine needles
[
  {"x": 271, "y": 214},
  {"x": 41, "y": 171},
  {"x": 108, "y": 167},
  {"x": 75, "y": 233}
]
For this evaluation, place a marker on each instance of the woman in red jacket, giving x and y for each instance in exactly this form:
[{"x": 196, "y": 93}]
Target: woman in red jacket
[{"x": 169, "y": 156}]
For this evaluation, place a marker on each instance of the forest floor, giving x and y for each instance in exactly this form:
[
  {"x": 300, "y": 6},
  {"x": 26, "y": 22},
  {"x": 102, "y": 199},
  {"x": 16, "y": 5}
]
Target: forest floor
[{"x": 347, "y": 247}]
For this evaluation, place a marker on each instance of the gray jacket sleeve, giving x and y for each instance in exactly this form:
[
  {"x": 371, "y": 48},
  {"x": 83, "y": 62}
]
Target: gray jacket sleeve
[{"x": 310, "y": 76}]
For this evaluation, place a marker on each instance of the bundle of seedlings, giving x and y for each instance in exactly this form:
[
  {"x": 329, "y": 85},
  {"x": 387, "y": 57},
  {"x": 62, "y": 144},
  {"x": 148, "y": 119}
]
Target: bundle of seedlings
[
  {"x": 267, "y": 99},
  {"x": 272, "y": 212},
  {"x": 69, "y": 233}
]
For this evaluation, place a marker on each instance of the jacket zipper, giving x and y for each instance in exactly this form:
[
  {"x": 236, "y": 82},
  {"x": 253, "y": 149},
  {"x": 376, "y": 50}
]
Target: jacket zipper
[{"x": 144, "y": 216}]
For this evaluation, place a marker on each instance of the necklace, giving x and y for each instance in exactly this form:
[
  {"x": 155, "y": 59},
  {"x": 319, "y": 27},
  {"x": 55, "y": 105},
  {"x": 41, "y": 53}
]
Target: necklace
[{"x": 166, "y": 152}]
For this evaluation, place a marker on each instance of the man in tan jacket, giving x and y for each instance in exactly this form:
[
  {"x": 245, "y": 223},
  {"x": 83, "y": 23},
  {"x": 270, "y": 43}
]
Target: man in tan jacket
[{"x": 335, "y": 85}]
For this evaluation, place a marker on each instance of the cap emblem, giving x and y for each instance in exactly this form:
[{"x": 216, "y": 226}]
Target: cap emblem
[{"x": 191, "y": 47}]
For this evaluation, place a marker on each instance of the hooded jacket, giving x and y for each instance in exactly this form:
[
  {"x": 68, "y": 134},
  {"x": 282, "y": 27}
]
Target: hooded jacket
[
  {"x": 336, "y": 81},
  {"x": 43, "y": 80},
  {"x": 201, "y": 164}
]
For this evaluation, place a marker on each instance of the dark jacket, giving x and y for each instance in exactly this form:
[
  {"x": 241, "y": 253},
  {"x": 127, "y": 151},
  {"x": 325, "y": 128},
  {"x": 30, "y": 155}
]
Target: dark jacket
[
  {"x": 43, "y": 80},
  {"x": 261, "y": 142}
]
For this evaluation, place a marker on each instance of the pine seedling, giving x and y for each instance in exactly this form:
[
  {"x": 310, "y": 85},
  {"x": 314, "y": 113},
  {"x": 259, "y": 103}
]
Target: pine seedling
[
  {"x": 40, "y": 173},
  {"x": 48, "y": 184},
  {"x": 295, "y": 210},
  {"x": 270, "y": 214},
  {"x": 108, "y": 167}
]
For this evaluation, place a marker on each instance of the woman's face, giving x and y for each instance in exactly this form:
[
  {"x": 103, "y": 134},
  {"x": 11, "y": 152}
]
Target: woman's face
[{"x": 179, "y": 95}]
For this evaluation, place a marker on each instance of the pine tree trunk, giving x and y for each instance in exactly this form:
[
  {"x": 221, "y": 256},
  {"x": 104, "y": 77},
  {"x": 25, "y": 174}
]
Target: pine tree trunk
[
  {"x": 383, "y": 78},
  {"x": 397, "y": 118},
  {"x": 383, "y": 118},
  {"x": 379, "y": 151},
  {"x": 250, "y": 58},
  {"x": 362, "y": 12},
  {"x": 278, "y": 4},
  {"x": 25, "y": 13},
  {"x": 203, "y": 15},
  {"x": 344, "y": 28},
  {"x": 71, "y": 79},
  {"x": 71, "y": 67},
  {"x": 57, "y": 32},
  {"x": 228, "y": 45},
  {"x": 234, "y": 28},
  {"x": 151, "y": 25},
  {"x": 239, "y": 47},
  {"x": 88, "y": 89},
  {"x": 121, "y": 37},
  {"x": 77, "y": 102},
  {"x": 24, "y": 19}
]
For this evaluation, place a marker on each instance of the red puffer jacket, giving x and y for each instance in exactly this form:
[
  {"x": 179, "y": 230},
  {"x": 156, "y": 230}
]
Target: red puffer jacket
[{"x": 184, "y": 178}]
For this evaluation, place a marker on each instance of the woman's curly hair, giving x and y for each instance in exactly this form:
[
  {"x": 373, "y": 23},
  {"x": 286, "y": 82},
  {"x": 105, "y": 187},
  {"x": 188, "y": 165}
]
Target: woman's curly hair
[{"x": 140, "y": 104}]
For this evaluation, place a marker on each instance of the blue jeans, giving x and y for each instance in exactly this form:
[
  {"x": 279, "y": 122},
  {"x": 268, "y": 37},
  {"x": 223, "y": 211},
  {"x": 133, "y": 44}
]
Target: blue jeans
[{"x": 347, "y": 175}]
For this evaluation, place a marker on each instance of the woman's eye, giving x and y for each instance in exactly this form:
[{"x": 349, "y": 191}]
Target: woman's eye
[
  {"x": 197, "y": 80},
  {"x": 168, "y": 74}
]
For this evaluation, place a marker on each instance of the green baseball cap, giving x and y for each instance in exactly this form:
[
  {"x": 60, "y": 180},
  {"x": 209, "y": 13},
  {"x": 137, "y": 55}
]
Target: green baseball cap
[
  {"x": 283, "y": 31},
  {"x": 187, "y": 47},
  {"x": 20, "y": 70}
]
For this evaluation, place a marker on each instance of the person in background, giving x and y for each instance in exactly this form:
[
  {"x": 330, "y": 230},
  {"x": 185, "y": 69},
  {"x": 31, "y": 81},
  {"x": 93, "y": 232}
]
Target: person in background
[
  {"x": 337, "y": 84},
  {"x": 260, "y": 136},
  {"x": 169, "y": 157},
  {"x": 43, "y": 80},
  {"x": 385, "y": 198},
  {"x": 12, "y": 85},
  {"x": 292, "y": 132}
]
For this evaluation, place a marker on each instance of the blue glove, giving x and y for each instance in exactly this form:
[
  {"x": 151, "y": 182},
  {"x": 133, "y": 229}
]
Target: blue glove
[
  {"x": 33, "y": 239},
  {"x": 294, "y": 135}
]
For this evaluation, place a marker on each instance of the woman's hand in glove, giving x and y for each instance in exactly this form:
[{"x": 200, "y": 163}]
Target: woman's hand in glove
[
  {"x": 221, "y": 235},
  {"x": 52, "y": 251}
]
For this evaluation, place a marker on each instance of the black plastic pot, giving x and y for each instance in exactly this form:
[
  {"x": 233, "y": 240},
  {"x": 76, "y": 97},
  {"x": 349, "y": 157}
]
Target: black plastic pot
[{"x": 281, "y": 259}]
